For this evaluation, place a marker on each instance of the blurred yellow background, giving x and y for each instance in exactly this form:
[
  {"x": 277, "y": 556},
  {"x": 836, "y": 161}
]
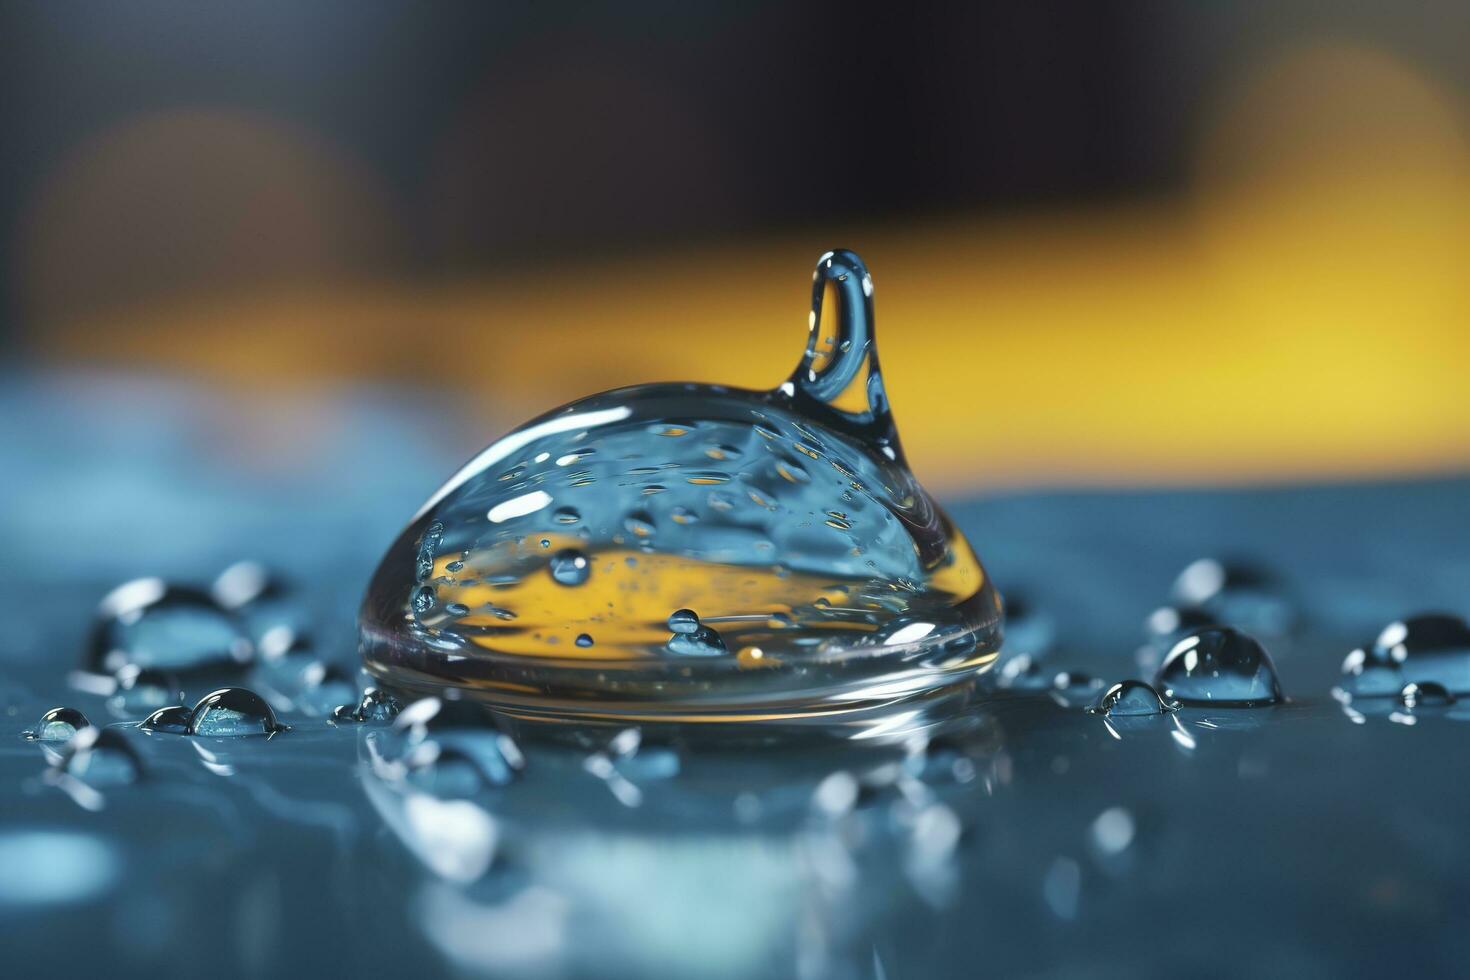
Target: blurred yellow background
[{"x": 1296, "y": 308}]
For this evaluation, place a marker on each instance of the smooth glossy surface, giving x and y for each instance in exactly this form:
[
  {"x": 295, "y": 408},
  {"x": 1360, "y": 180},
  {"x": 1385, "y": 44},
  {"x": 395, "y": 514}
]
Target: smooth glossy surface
[{"x": 827, "y": 582}]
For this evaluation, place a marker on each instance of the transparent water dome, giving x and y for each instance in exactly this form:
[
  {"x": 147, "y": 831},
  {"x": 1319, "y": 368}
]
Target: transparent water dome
[{"x": 693, "y": 553}]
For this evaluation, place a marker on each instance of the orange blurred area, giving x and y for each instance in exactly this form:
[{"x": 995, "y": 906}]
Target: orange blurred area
[{"x": 1299, "y": 311}]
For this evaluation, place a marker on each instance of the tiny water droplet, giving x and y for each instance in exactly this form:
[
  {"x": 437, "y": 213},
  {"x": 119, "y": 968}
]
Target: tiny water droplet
[
  {"x": 566, "y": 515},
  {"x": 683, "y": 621},
  {"x": 1219, "y": 666},
  {"x": 584, "y": 639}
]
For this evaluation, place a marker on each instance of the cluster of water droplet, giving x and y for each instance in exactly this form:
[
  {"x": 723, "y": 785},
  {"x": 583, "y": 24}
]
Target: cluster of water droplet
[
  {"x": 227, "y": 712},
  {"x": 1197, "y": 661},
  {"x": 1420, "y": 663}
]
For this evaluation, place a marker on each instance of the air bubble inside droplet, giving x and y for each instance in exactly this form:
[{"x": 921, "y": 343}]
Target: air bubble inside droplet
[{"x": 786, "y": 517}]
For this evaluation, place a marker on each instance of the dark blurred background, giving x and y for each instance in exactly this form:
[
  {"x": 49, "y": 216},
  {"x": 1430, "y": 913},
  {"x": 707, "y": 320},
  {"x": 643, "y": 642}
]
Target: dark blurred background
[{"x": 1113, "y": 241}]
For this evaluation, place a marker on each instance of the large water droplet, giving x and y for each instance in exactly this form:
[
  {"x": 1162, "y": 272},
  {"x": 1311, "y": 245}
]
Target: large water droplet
[
  {"x": 150, "y": 624},
  {"x": 741, "y": 504},
  {"x": 1219, "y": 666},
  {"x": 232, "y": 711}
]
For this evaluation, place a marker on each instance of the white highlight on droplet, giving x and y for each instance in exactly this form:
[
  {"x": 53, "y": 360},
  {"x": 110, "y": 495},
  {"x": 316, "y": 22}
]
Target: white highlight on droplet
[{"x": 526, "y": 503}]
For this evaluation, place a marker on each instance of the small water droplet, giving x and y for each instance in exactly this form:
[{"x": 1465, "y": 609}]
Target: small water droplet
[
  {"x": 570, "y": 567},
  {"x": 171, "y": 720},
  {"x": 1219, "y": 666},
  {"x": 1130, "y": 698},
  {"x": 59, "y": 724},
  {"x": 566, "y": 515},
  {"x": 584, "y": 639},
  {"x": 423, "y": 600},
  {"x": 232, "y": 711},
  {"x": 683, "y": 621}
]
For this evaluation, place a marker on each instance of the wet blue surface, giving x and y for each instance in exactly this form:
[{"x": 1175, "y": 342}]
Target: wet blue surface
[{"x": 1307, "y": 839}]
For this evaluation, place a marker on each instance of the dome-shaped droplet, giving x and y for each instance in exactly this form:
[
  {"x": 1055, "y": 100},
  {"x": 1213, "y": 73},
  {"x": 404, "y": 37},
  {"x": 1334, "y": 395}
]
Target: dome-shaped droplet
[
  {"x": 735, "y": 503},
  {"x": 683, "y": 621},
  {"x": 584, "y": 640},
  {"x": 59, "y": 724},
  {"x": 150, "y": 624},
  {"x": 1130, "y": 698},
  {"x": 1427, "y": 694},
  {"x": 232, "y": 711},
  {"x": 1219, "y": 666},
  {"x": 171, "y": 720},
  {"x": 702, "y": 641},
  {"x": 570, "y": 567}
]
